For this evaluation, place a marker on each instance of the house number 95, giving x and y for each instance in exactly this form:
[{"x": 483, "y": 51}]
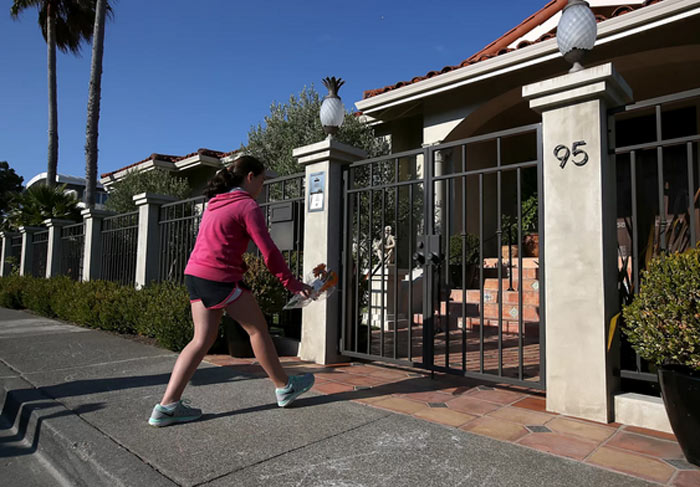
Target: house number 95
[{"x": 562, "y": 152}]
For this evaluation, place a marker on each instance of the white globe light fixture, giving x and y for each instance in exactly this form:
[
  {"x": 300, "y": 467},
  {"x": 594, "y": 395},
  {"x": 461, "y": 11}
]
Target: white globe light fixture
[
  {"x": 332, "y": 109},
  {"x": 576, "y": 32}
]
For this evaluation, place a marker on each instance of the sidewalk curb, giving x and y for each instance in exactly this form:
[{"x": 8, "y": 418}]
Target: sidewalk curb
[{"x": 82, "y": 454}]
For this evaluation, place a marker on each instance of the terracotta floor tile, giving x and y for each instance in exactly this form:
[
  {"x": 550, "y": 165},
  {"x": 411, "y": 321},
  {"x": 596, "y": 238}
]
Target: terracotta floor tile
[
  {"x": 388, "y": 373},
  {"x": 444, "y": 416},
  {"x": 610, "y": 425},
  {"x": 631, "y": 463},
  {"x": 329, "y": 375},
  {"x": 457, "y": 390},
  {"x": 500, "y": 430},
  {"x": 332, "y": 388},
  {"x": 687, "y": 479},
  {"x": 587, "y": 431},
  {"x": 521, "y": 416},
  {"x": 557, "y": 444},
  {"x": 656, "y": 434},
  {"x": 533, "y": 403},
  {"x": 401, "y": 405},
  {"x": 428, "y": 396},
  {"x": 372, "y": 399},
  {"x": 498, "y": 396},
  {"x": 471, "y": 405},
  {"x": 359, "y": 380},
  {"x": 361, "y": 369},
  {"x": 646, "y": 444}
]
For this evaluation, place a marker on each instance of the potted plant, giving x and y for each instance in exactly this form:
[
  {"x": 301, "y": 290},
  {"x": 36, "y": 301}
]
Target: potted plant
[
  {"x": 531, "y": 238},
  {"x": 471, "y": 260},
  {"x": 663, "y": 325},
  {"x": 509, "y": 225}
]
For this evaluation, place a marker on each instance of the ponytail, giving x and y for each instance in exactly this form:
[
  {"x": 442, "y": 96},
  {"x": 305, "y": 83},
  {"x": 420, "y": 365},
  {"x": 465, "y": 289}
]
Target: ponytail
[{"x": 229, "y": 177}]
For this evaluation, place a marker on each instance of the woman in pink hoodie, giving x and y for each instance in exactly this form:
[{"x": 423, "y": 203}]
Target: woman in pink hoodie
[{"x": 213, "y": 277}]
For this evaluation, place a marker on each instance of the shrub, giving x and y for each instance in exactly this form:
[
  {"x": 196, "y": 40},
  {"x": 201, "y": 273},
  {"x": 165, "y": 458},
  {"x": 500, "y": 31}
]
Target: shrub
[
  {"x": 663, "y": 322},
  {"x": 268, "y": 290},
  {"x": 11, "y": 288},
  {"x": 164, "y": 314},
  {"x": 160, "y": 311},
  {"x": 472, "y": 249}
]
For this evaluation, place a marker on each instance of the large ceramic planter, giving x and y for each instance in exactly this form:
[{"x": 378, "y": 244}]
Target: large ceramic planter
[
  {"x": 681, "y": 392},
  {"x": 237, "y": 340}
]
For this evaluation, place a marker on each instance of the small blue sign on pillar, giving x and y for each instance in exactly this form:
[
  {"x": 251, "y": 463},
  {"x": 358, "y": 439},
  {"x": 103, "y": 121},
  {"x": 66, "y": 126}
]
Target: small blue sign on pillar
[{"x": 317, "y": 184}]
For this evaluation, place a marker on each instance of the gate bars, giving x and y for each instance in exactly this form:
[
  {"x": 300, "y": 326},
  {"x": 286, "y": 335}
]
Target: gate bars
[
  {"x": 657, "y": 165},
  {"x": 398, "y": 289}
]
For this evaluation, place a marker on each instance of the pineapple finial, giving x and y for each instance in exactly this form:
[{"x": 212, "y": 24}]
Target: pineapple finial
[{"x": 333, "y": 84}]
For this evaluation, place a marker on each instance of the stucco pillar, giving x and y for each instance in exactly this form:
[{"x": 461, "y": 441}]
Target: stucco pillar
[
  {"x": 580, "y": 237},
  {"x": 322, "y": 240},
  {"x": 6, "y": 252},
  {"x": 53, "y": 248},
  {"x": 25, "y": 265},
  {"x": 147, "y": 253},
  {"x": 92, "y": 249}
]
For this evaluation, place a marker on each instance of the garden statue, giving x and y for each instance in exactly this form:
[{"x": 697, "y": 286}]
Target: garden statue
[{"x": 385, "y": 254}]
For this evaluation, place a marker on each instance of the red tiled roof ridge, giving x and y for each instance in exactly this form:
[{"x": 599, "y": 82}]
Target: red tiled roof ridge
[
  {"x": 500, "y": 45},
  {"x": 171, "y": 158}
]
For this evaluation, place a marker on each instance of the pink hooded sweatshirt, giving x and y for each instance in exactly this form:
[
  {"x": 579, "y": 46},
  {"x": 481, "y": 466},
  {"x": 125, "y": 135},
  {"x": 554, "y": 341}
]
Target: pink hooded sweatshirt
[{"x": 228, "y": 224}]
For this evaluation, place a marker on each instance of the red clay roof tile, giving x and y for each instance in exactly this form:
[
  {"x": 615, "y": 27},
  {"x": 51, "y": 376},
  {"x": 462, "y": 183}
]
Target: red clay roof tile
[{"x": 172, "y": 159}]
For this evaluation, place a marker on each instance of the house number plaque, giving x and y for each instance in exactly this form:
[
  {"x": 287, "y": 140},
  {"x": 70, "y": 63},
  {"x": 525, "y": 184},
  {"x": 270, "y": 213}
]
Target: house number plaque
[{"x": 580, "y": 156}]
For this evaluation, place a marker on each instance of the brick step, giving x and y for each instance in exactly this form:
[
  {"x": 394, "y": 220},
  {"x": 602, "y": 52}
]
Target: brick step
[
  {"x": 510, "y": 327},
  {"x": 528, "y": 284},
  {"x": 530, "y": 312},
  {"x": 530, "y": 328},
  {"x": 527, "y": 272},
  {"x": 491, "y": 296},
  {"x": 528, "y": 262},
  {"x": 512, "y": 311}
]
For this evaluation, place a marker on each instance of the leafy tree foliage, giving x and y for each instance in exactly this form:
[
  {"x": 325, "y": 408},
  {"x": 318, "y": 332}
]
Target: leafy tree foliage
[
  {"x": 10, "y": 183},
  {"x": 296, "y": 124},
  {"x": 157, "y": 181}
]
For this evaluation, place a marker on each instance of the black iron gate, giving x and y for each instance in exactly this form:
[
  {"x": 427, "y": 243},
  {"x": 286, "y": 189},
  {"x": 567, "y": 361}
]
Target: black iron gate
[{"x": 442, "y": 258}]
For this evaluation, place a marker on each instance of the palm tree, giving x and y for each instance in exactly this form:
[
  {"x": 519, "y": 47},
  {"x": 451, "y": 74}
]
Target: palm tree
[
  {"x": 39, "y": 202},
  {"x": 93, "y": 114},
  {"x": 64, "y": 24}
]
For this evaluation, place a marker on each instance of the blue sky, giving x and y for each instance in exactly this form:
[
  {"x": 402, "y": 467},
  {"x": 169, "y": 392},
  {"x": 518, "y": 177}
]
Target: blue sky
[{"x": 182, "y": 75}]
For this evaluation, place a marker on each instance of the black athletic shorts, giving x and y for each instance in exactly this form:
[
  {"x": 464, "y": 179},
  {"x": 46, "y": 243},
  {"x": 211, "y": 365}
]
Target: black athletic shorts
[{"x": 213, "y": 294}]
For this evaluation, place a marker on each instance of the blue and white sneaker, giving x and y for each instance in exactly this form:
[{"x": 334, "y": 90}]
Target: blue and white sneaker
[
  {"x": 297, "y": 385},
  {"x": 180, "y": 412}
]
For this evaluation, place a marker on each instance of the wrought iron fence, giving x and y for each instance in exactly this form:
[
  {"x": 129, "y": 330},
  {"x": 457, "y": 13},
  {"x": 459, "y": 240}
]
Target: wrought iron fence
[
  {"x": 178, "y": 226},
  {"x": 438, "y": 269},
  {"x": 656, "y": 156},
  {"x": 15, "y": 254},
  {"x": 40, "y": 243},
  {"x": 72, "y": 245},
  {"x": 119, "y": 246},
  {"x": 283, "y": 207}
]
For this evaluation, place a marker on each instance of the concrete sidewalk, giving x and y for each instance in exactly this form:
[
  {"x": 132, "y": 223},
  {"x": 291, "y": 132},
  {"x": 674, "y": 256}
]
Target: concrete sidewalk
[{"x": 81, "y": 398}]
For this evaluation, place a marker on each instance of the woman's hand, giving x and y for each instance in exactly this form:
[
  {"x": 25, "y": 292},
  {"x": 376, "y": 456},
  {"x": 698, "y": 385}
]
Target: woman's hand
[{"x": 306, "y": 291}]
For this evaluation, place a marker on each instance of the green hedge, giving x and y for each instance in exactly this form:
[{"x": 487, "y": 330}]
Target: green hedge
[{"x": 160, "y": 311}]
